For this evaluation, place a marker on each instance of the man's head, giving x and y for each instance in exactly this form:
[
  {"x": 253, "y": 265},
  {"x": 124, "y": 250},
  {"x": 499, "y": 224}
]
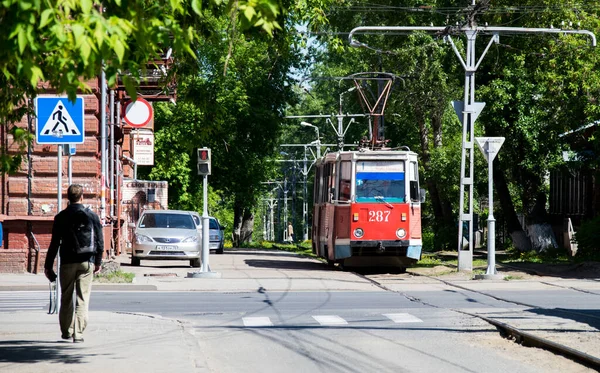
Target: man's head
[{"x": 75, "y": 193}]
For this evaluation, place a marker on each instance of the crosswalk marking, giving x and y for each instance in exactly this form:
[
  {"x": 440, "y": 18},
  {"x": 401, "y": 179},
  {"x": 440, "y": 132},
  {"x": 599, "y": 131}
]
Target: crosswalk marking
[
  {"x": 23, "y": 300},
  {"x": 402, "y": 317},
  {"x": 257, "y": 321},
  {"x": 330, "y": 320}
]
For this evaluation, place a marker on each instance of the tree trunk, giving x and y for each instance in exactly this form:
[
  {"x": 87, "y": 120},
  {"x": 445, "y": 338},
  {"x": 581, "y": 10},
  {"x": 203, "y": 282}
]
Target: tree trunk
[
  {"x": 434, "y": 196},
  {"x": 238, "y": 214},
  {"x": 520, "y": 240},
  {"x": 247, "y": 226},
  {"x": 243, "y": 224},
  {"x": 540, "y": 231},
  {"x": 436, "y": 123}
]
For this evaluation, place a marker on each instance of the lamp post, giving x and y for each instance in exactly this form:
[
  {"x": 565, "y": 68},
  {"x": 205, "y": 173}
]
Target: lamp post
[{"x": 318, "y": 140}]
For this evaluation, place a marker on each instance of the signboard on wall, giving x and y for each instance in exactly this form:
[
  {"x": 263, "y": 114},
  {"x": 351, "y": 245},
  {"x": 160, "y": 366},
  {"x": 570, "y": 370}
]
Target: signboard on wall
[{"x": 143, "y": 147}]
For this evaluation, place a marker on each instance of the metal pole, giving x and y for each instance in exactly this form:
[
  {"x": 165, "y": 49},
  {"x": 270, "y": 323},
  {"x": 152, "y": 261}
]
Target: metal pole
[
  {"x": 111, "y": 171},
  {"x": 491, "y": 222},
  {"x": 272, "y": 221},
  {"x": 70, "y": 166},
  {"x": 58, "y": 209},
  {"x": 285, "y": 210},
  {"x": 103, "y": 146},
  {"x": 304, "y": 199},
  {"x": 465, "y": 255},
  {"x": 59, "y": 178},
  {"x": 205, "y": 248},
  {"x": 318, "y": 142}
]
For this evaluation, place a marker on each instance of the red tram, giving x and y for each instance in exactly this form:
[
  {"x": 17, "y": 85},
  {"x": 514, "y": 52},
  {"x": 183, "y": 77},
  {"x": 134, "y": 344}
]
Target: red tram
[{"x": 367, "y": 208}]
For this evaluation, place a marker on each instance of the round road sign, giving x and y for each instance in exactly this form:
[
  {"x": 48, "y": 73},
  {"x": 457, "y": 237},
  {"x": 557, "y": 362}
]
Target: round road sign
[{"x": 138, "y": 113}]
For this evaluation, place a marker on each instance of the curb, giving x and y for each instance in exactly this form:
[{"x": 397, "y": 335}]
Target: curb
[{"x": 97, "y": 287}]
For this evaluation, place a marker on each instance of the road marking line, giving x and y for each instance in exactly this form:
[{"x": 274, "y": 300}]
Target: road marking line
[
  {"x": 330, "y": 320},
  {"x": 257, "y": 321},
  {"x": 402, "y": 317}
]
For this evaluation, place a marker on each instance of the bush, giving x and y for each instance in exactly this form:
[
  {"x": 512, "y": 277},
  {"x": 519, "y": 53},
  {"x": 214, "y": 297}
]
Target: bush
[
  {"x": 587, "y": 238},
  {"x": 428, "y": 240}
]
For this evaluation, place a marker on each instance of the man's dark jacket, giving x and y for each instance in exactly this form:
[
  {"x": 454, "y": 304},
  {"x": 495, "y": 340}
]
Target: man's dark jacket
[{"x": 62, "y": 237}]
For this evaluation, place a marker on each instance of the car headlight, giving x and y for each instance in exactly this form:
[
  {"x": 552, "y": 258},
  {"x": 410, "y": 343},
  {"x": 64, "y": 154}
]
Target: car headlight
[
  {"x": 358, "y": 233},
  {"x": 214, "y": 237},
  {"x": 191, "y": 239},
  {"x": 140, "y": 238},
  {"x": 401, "y": 233}
]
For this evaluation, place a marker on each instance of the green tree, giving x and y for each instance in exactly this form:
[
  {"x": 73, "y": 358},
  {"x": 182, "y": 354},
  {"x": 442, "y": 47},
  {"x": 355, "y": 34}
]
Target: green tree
[
  {"x": 62, "y": 44},
  {"x": 230, "y": 99},
  {"x": 536, "y": 87}
]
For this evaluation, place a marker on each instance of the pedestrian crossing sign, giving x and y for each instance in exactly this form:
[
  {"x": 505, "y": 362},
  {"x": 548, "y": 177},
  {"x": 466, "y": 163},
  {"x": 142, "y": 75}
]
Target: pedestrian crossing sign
[{"x": 59, "y": 121}]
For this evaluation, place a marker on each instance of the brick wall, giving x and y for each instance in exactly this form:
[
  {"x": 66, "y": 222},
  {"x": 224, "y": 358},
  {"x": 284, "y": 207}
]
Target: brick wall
[{"x": 29, "y": 206}]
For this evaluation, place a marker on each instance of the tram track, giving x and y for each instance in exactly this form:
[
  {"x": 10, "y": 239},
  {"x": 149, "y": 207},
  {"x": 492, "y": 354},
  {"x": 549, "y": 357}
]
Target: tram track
[{"x": 508, "y": 331}]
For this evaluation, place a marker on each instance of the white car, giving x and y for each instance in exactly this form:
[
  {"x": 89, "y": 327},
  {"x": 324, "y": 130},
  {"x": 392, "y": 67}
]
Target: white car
[{"x": 167, "y": 234}]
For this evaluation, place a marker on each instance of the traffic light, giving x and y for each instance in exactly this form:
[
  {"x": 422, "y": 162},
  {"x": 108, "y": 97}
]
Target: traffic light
[{"x": 203, "y": 161}]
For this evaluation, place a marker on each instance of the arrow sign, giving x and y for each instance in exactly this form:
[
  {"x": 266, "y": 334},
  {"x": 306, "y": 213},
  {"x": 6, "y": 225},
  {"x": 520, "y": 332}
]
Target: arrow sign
[
  {"x": 474, "y": 109},
  {"x": 489, "y": 146}
]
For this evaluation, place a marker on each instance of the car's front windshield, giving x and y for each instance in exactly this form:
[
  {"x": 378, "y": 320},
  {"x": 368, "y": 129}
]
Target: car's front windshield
[
  {"x": 165, "y": 220},
  {"x": 213, "y": 224},
  {"x": 381, "y": 181}
]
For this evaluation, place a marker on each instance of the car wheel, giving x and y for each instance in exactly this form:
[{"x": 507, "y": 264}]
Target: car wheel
[
  {"x": 219, "y": 250},
  {"x": 195, "y": 263},
  {"x": 135, "y": 261}
]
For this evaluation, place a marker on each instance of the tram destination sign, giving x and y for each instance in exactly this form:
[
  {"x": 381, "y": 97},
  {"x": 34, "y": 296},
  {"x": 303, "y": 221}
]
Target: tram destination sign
[{"x": 380, "y": 166}]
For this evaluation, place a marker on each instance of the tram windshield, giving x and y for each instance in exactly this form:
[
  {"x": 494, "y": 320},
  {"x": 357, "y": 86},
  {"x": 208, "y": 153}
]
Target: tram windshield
[{"x": 380, "y": 187}]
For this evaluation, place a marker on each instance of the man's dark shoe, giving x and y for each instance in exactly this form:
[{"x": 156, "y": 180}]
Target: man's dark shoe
[
  {"x": 66, "y": 336},
  {"x": 77, "y": 340}
]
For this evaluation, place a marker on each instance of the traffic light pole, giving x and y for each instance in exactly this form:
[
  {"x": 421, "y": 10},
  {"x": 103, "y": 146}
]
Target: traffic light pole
[
  {"x": 205, "y": 221},
  {"x": 204, "y": 169}
]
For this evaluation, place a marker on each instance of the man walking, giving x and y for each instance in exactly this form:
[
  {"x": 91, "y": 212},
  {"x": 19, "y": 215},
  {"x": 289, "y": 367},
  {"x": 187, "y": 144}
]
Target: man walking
[{"x": 78, "y": 233}]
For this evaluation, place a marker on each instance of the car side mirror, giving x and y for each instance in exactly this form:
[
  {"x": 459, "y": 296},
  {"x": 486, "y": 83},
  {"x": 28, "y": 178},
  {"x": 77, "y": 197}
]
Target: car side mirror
[{"x": 221, "y": 227}]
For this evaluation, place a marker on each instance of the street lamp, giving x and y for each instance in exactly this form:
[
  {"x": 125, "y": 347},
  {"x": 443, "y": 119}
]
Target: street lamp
[{"x": 318, "y": 141}]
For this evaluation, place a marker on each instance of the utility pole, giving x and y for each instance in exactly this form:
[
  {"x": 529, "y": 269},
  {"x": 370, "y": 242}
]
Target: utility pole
[
  {"x": 467, "y": 110},
  {"x": 339, "y": 130}
]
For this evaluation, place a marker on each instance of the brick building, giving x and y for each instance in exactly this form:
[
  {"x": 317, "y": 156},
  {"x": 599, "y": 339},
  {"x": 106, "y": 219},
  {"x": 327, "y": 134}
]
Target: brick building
[{"x": 29, "y": 198}]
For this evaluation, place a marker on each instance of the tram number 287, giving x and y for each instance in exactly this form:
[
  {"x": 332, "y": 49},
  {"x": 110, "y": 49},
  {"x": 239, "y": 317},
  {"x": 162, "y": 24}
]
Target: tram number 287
[{"x": 379, "y": 216}]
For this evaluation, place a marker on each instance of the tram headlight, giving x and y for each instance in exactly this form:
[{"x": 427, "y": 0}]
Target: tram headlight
[
  {"x": 358, "y": 233},
  {"x": 401, "y": 233}
]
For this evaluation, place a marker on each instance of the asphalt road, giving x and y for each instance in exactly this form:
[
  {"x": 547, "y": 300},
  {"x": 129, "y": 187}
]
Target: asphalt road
[{"x": 338, "y": 331}]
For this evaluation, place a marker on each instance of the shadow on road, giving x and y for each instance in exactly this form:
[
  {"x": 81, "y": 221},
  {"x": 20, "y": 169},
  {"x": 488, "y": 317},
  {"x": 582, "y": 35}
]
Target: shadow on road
[
  {"x": 29, "y": 352},
  {"x": 590, "y": 317},
  {"x": 285, "y": 264}
]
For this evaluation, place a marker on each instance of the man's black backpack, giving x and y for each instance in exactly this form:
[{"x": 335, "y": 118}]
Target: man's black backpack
[{"x": 82, "y": 229}]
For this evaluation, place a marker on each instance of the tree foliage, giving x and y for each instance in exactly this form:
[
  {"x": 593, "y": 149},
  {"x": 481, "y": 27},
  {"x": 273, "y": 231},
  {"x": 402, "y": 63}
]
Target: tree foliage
[
  {"x": 230, "y": 99},
  {"x": 59, "y": 45},
  {"x": 536, "y": 87}
]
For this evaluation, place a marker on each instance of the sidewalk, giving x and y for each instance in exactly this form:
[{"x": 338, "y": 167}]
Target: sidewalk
[{"x": 29, "y": 341}]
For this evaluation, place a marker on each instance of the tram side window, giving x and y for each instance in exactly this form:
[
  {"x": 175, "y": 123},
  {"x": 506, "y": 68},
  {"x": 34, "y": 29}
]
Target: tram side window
[
  {"x": 345, "y": 180},
  {"x": 330, "y": 193},
  {"x": 317, "y": 187},
  {"x": 325, "y": 185},
  {"x": 414, "y": 182}
]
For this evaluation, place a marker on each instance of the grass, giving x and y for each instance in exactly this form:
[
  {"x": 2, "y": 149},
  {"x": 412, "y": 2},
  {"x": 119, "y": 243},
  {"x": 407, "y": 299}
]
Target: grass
[
  {"x": 118, "y": 277},
  {"x": 509, "y": 278},
  {"x": 429, "y": 260},
  {"x": 302, "y": 248}
]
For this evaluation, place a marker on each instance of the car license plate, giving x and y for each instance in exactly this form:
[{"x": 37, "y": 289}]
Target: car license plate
[{"x": 165, "y": 248}]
